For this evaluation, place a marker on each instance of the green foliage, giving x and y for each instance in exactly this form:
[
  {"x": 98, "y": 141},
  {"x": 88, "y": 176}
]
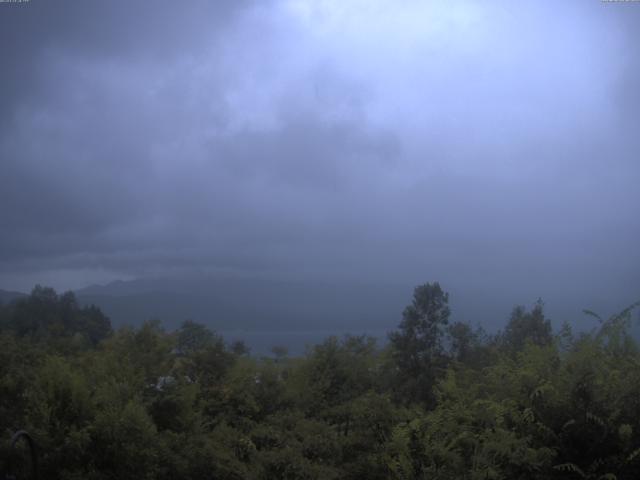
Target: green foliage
[
  {"x": 56, "y": 319},
  {"x": 526, "y": 327},
  {"x": 417, "y": 347},
  {"x": 439, "y": 402},
  {"x": 193, "y": 337}
]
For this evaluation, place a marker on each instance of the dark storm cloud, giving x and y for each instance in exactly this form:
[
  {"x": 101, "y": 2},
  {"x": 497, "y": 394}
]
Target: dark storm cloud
[
  {"x": 125, "y": 174},
  {"x": 488, "y": 146},
  {"x": 95, "y": 29},
  {"x": 130, "y": 164}
]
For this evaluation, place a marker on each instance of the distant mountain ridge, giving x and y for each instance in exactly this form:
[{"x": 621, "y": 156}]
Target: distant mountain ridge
[
  {"x": 7, "y": 296},
  {"x": 243, "y": 305},
  {"x": 231, "y": 302}
]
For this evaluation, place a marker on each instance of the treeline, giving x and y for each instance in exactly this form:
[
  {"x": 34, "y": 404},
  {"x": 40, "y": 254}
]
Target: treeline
[{"x": 440, "y": 400}]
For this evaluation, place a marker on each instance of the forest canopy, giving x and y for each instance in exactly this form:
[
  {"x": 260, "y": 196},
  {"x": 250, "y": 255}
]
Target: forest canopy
[{"x": 439, "y": 400}]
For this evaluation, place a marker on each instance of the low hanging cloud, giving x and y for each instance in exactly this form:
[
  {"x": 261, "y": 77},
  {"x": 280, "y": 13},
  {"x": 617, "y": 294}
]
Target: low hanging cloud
[{"x": 488, "y": 145}]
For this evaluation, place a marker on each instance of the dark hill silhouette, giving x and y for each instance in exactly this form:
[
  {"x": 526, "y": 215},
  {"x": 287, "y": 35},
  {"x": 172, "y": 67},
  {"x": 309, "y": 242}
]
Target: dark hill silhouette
[
  {"x": 7, "y": 296},
  {"x": 229, "y": 302}
]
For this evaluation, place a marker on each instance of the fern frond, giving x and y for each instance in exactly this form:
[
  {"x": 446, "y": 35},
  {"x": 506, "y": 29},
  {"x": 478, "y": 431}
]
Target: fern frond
[
  {"x": 569, "y": 467},
  {"x": 591, "y": 313},
  {"x": 633, "y": 455},
  {"x": 528, "y": 416},
  {"x": 591, "y": 417},
  {"x": 626, "y": 311}
]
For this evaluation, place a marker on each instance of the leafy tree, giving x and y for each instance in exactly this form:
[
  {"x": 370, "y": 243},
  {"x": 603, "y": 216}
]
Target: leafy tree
[
  {"x": 46, "y": 316},
  {"x": 337, "y": 371},
  {"x": 417, "y": 347},
  {"x": 462, "y": 340},
  {"x": 92, "y": 323},
  {"x": 526, "y": 326},
  {"x": 193, "y": 337},
  {"x": 239, "y": 348},
  {"x": 126, "y": 443},
  {"x": 440, "y": 401}
]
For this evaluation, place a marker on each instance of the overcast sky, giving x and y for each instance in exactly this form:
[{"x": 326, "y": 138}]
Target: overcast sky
[{"x": 491, "y": 145}]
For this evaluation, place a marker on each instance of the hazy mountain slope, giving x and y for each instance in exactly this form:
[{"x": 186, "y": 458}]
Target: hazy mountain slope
[
  {"x": 7, "y": 296},
  {"x": 273, "y": 305},
  {"x": 254, "y": 304}
]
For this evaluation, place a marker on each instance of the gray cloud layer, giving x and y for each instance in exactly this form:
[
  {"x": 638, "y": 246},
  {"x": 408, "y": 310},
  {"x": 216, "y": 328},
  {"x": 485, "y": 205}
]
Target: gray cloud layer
[{"x": 490, "y": 145}]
